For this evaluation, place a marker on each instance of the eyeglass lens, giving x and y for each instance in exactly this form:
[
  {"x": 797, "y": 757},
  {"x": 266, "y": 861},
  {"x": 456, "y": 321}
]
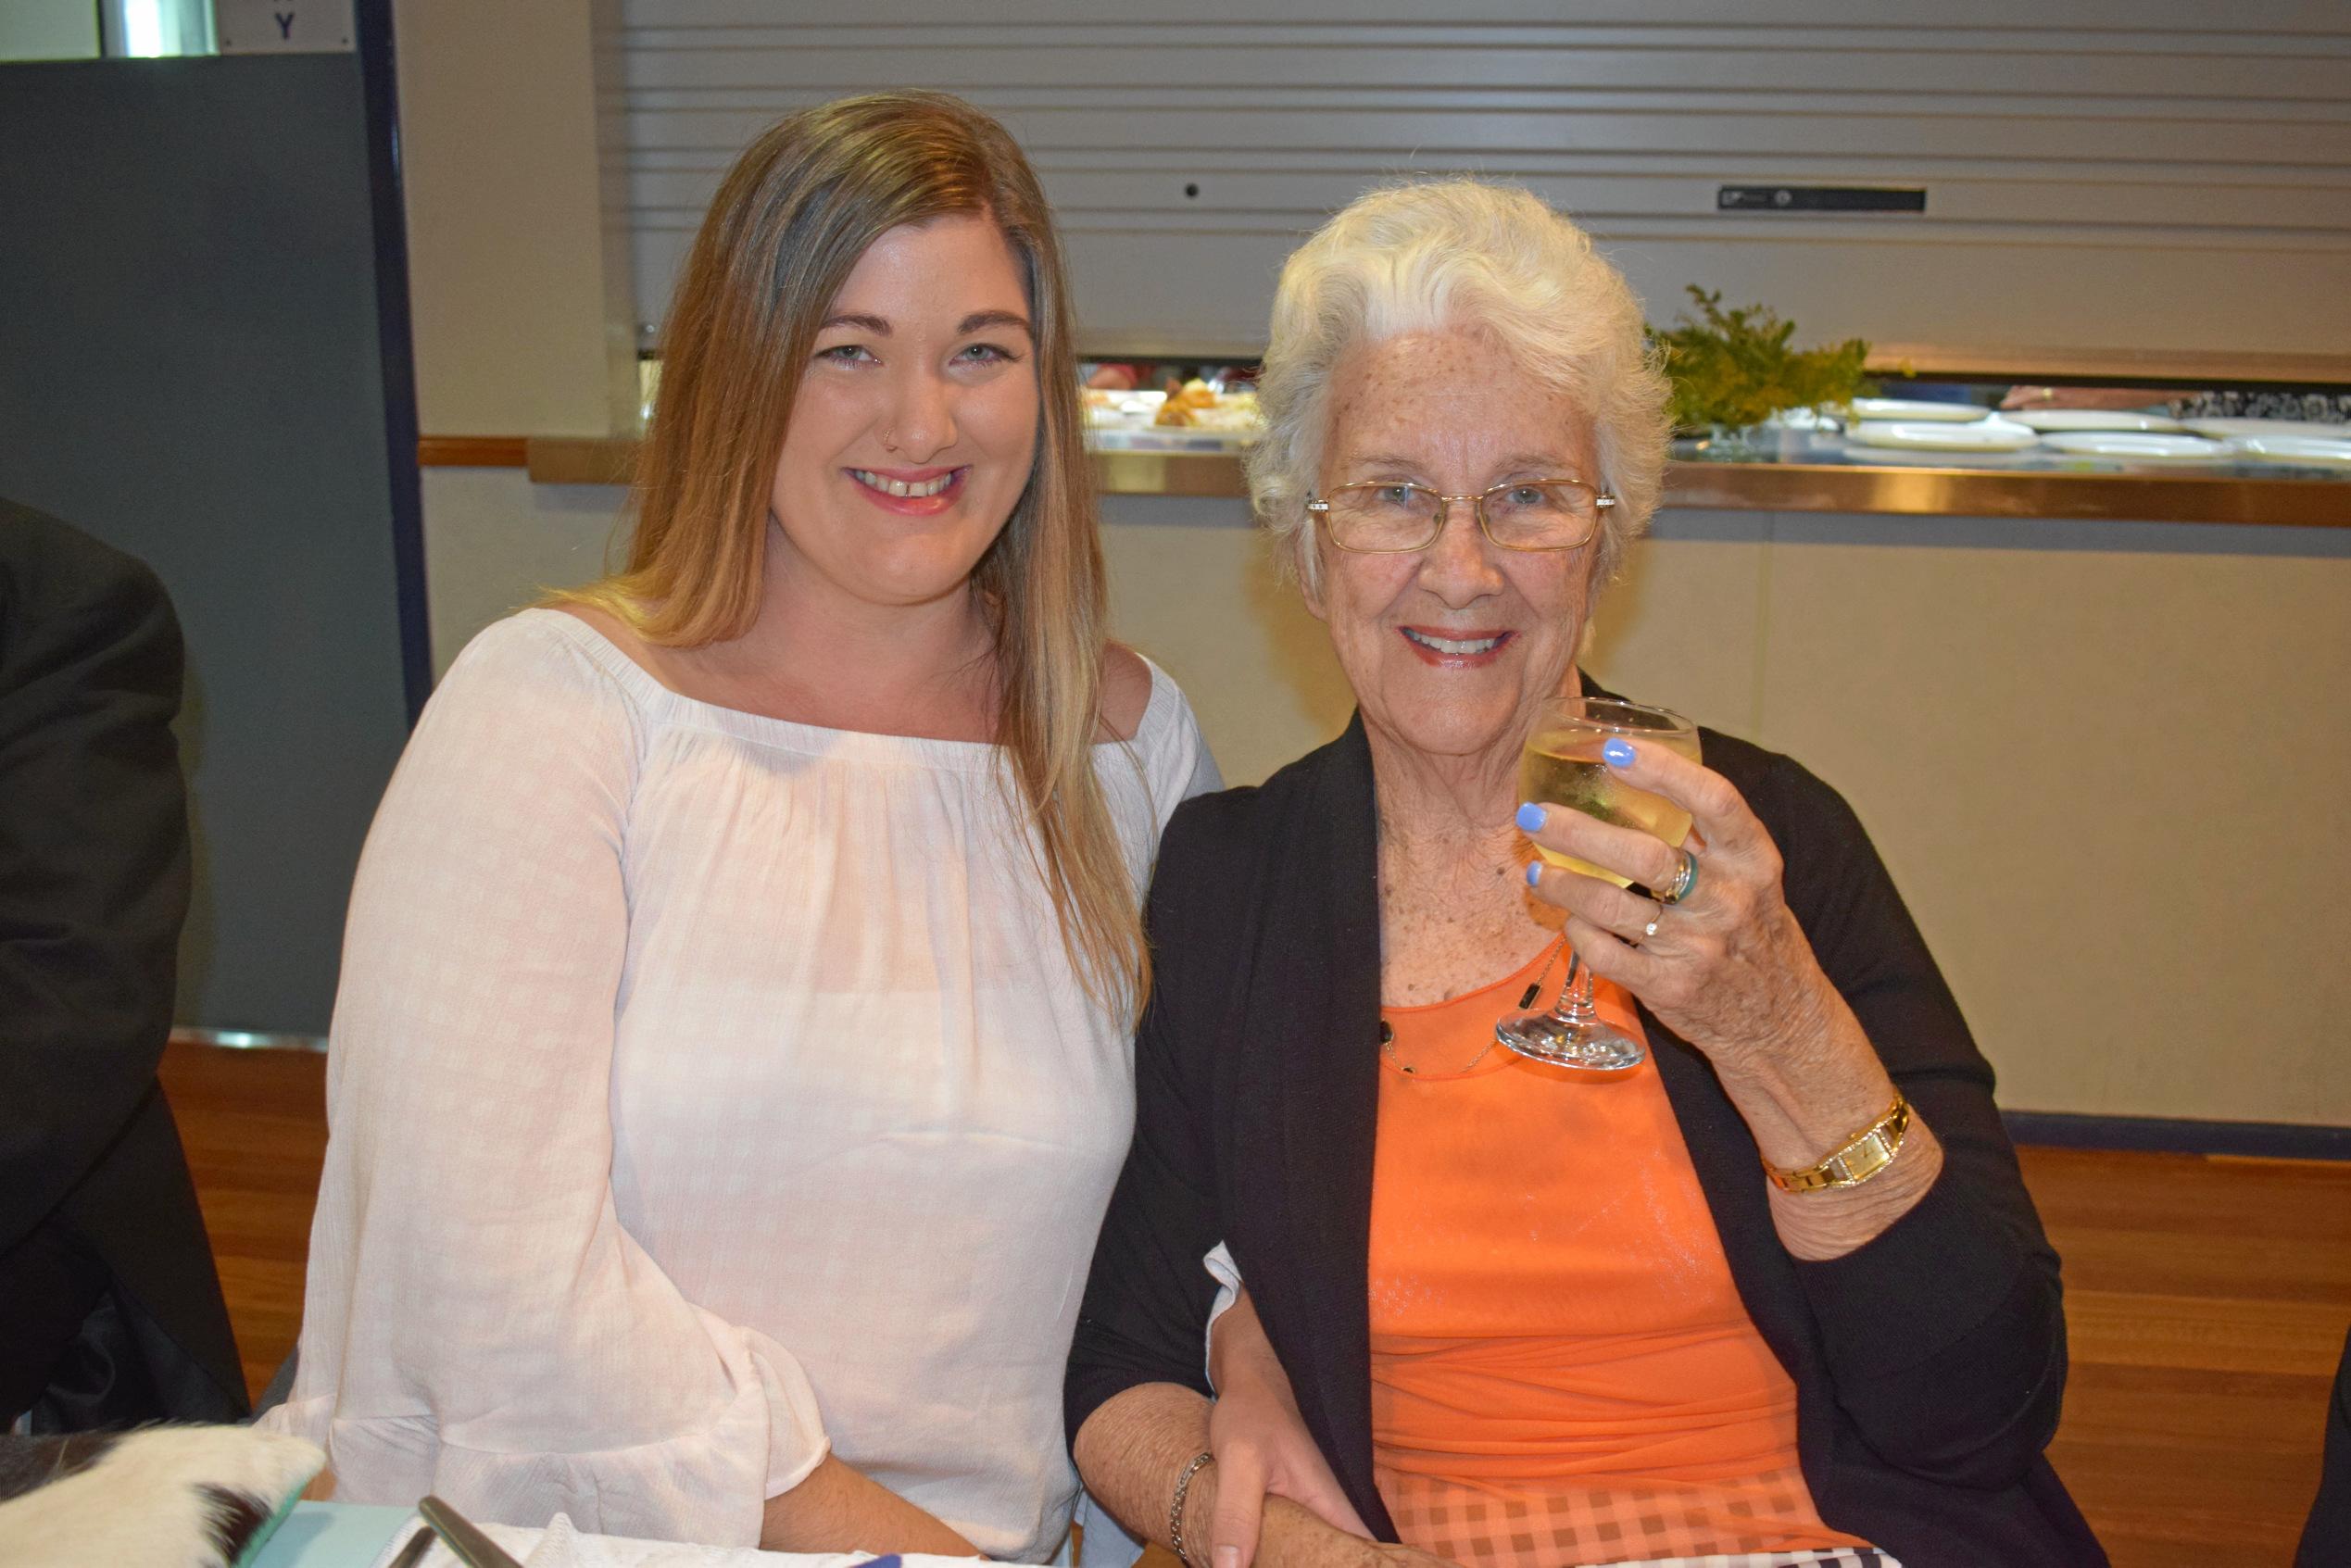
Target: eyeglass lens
[{"x": 1551, "y": 515}]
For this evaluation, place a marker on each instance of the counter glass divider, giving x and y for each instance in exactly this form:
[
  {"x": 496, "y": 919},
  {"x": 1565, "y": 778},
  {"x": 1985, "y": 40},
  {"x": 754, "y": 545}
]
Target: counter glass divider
[{"x": 1813, "y": 480}]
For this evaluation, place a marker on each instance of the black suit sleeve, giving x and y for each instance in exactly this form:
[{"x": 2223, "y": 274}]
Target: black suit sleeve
[
  {"x": 1946, "y": 1335},
  {"x": 93, "y": 854},
  {"x": 1148, "y": 1296}
]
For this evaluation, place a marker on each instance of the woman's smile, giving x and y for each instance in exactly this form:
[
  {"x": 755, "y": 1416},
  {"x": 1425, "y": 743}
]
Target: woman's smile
[
  {"x": 1458, "y": 649},
  {"x": 911, "y": 492}
]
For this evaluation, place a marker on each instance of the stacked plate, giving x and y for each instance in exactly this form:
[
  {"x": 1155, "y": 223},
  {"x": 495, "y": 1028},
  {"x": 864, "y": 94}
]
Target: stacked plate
[
  {"x": 1943, "y": 434},
  {"x": 2289, "y": 442},
  {"x": 2295, "y": 451},
  {"x": 2096, "y": 419},
  {"x": 2117, "y": 435},
  {"x": 2260, "y": 430},
  {"x": 2136, "y": 447},
  {"x": 1909, "y": 411}
]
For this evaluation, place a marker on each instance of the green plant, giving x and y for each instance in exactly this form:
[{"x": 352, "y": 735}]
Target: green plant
[{"x": 1734, "y": 367}]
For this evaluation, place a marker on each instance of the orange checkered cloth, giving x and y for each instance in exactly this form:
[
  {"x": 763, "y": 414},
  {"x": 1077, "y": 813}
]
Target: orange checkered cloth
[{"x": 1746, "y": 1525}]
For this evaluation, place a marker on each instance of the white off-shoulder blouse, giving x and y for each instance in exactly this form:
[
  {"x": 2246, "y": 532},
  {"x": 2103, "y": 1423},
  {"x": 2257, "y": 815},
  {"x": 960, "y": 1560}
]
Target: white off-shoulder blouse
[{"x": 706, "y": 1090}]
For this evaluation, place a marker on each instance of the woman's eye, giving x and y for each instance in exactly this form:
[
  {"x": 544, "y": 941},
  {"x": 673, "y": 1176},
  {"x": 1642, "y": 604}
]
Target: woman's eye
[
  {"x": 1394, "y": 495},
  {"x": 844, "y": 353},
  {"x": 1522, "y": 495},
  {"x": 987, "y": 354}
]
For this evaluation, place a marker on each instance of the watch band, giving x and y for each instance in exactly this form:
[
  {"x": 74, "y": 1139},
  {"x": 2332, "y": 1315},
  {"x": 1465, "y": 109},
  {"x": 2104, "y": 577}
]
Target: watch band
[{"x": 1869, "y": 1151}]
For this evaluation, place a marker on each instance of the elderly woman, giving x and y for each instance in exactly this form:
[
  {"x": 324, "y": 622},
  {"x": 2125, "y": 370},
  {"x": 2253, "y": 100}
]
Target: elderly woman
[{"x": 1497, "y": 1311}]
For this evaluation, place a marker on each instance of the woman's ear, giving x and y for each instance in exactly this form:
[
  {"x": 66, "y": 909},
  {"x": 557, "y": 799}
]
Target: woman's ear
[{"x": 1309, "y": 576}]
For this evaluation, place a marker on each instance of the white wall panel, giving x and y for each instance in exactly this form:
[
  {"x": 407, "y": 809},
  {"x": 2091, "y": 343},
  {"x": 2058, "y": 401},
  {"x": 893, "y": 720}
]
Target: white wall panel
[{"x": 2099, "y": 174}]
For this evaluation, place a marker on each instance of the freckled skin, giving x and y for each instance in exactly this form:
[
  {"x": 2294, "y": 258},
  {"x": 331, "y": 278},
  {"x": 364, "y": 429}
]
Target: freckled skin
[
  {"x": 1466, "y": 417},
  {"x": 1453, "y": 410}
]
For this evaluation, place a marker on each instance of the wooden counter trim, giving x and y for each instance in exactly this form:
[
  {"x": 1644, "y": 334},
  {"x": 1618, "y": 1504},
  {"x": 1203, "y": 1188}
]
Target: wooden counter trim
[
  {"x": 1784, "y": 487},
  {"x": 470, "y": 451},
  {"x": 577, "y": 459}
]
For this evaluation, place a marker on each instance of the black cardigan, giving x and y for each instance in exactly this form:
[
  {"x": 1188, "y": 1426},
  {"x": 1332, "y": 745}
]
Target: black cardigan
[{"x": 1929, "y": 1364}]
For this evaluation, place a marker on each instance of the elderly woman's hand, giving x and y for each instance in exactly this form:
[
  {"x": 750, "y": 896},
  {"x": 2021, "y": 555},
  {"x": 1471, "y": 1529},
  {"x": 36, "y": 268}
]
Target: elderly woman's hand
[
  {"x": 1261, "y": 1445},
  {"x": 1729, "y": 969}
]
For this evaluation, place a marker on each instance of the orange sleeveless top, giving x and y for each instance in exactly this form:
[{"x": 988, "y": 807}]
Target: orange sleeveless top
[{"x": 1562, "y": 1369}]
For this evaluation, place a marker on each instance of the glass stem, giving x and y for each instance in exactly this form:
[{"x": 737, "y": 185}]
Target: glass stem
[{"x": 1574, "y": 1004}]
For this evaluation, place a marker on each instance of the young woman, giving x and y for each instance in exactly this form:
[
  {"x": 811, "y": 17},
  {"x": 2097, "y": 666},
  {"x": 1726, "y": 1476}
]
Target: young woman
[{"x": 732, "y": 1060}]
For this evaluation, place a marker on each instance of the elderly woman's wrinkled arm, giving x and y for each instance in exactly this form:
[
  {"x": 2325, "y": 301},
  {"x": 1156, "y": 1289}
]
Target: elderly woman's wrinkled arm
[
  {"x": 1135, "y": 1449},
  {"x": 1263, "y": 1447}
]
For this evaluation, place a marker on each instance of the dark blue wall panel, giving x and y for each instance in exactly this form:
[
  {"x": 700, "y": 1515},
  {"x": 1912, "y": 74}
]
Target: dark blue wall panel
[{"x": 190, "y": 369}]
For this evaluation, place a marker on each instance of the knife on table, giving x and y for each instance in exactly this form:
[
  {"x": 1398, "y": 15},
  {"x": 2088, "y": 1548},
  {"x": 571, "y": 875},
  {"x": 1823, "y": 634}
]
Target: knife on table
[{"x": 458, "y": 1534}]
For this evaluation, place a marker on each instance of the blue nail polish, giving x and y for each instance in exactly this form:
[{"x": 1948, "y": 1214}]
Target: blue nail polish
[
  {"x": 1618, "y": 753},
  {"x": 1531, "y": 817},
  {"x": 1534, "y": 872}
]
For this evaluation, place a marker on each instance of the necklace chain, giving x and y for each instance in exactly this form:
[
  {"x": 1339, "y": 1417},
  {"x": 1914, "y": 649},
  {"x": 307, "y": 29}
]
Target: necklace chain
[{"x": 1387, "y": 1034}]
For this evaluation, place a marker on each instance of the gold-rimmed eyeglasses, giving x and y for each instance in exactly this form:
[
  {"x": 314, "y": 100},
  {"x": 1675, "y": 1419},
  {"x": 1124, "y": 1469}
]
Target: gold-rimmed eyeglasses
[{"x": 1377, "y": 517}]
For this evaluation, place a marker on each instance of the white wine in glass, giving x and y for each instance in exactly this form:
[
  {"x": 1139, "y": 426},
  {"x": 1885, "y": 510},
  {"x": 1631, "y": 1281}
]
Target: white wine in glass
[{"x": 1562, "y": 766}]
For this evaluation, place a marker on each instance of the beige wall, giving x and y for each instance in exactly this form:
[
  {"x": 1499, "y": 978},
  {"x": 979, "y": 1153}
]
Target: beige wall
[
  {"x": 2106, "y": 761},
  {"x": 2106, "y": 764},
  {"x": 519, "y": 299}
]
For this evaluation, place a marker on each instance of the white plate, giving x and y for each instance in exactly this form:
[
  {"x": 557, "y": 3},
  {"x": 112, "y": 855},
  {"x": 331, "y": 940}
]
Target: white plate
[
  {"x": 1983, "y": 436},
  {"x": 2308, "y": 451},
  {"x": 2134, "y": 447},
  {"x": 1883, "y": 408},
  {"x": 1974, "y": 460},
  {"x": 2222, "y": 430},
  {"x": 2093, "y": 419}
]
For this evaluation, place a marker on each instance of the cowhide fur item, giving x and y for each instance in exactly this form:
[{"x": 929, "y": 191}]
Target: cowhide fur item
[{"x": 159, "y": 1497}]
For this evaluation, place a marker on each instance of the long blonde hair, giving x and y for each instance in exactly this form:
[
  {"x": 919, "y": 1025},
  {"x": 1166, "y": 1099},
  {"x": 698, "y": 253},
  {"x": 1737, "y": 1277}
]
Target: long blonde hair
[{"x": 790, "y": 221}]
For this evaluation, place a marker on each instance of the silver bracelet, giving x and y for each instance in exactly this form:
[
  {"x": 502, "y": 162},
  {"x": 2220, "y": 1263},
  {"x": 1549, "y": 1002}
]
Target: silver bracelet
[{"x": 1176, "y": 1507}]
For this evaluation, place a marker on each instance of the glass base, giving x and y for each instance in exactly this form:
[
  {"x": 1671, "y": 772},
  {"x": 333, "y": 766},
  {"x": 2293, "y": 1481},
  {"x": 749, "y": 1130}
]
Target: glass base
[{"x": 1588, "y": 1046}]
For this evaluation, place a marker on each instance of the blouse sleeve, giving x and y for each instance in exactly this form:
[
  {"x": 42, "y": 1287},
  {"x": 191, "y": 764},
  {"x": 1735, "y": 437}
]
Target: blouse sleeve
[{"x": 478, "y": 1324}]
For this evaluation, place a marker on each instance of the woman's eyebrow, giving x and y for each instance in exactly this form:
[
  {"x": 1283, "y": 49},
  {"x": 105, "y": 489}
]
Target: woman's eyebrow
[
  {"x": 874, "y": 324},
  {"x": 980, "y": 319}
]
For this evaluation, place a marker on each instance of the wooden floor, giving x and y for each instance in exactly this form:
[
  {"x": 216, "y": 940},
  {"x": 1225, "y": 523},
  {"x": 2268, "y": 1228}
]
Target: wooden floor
[{"x": 2207, "y": 1298}]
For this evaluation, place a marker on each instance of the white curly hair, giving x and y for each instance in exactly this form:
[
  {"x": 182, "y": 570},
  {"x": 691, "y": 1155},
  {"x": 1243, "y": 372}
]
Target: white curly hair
[{"x": 1433, "y": 255}]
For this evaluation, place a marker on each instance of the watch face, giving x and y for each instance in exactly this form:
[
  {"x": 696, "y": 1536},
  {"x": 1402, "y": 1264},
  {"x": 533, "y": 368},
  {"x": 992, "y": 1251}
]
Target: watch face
[
  {"x": 1869, "y": 1156},
  {"x": 1858, "y": 1161}
]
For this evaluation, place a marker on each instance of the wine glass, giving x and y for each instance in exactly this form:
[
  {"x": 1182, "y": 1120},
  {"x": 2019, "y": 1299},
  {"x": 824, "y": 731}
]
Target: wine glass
[{"x": 1562, "y": 766}]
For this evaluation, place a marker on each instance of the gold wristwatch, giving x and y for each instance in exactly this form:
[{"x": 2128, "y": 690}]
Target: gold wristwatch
[{"x": 1870, "y": 1151}]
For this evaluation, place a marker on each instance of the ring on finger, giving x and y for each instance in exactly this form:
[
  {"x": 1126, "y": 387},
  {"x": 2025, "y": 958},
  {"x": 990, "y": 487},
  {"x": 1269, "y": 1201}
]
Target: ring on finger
[
  {"x": 1678, "y": 886},
  {"x": 1651, "y": 929}
]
